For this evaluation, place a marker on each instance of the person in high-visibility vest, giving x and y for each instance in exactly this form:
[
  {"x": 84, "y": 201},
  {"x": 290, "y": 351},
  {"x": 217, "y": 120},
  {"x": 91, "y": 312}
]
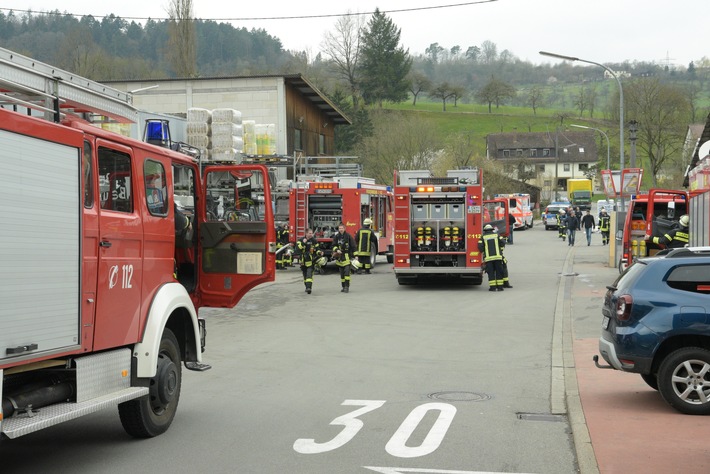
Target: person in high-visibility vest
[
  {"x": 343, "y": 248},
  {"x": 679, "y": 237},
  {"x": 562, "y": 225},
  {"x": 604, "y": 223},
  {"x": 309, "y": 249},
  {"x": 365, "y": 241},
  {"x": 283, "y": 258},
  {"x": 491, "y": 246}
]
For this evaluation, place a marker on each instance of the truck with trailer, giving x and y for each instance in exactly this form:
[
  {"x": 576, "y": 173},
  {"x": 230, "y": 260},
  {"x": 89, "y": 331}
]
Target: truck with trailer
[
  {"x": 438, "y": 222},
  {"x": 579, "y": 193},
  {"x": 519, "y": 206},
  {"x": 100, "y": 286}
]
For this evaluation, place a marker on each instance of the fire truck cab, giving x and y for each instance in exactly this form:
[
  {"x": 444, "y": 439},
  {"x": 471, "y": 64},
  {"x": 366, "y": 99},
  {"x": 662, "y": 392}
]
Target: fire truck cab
[
  {"x": 519, "y": 206},
  {"x": 110, "y": 246},
  {"x": 438, "y": 223}
]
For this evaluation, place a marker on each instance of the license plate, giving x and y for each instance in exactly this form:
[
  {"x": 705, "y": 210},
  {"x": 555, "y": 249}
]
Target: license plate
[{"x": 605, "y": 322}]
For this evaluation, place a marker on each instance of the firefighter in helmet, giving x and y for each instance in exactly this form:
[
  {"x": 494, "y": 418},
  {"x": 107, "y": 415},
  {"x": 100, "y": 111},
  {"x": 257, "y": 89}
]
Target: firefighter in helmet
[
  {"x": 604, "y": 223},
  {"x": 365, "y": 242},
  {"x": 283, "y": 258},
  {"x": 491, "y": 246},
  {"x": 343, "y": 248},
  {"x": 562, "y": 225},
  {"x": 309, "y": 250},
  {"x": 678, "y": 237}
]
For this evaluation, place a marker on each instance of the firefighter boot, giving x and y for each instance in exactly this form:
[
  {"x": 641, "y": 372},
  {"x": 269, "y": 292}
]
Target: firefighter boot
[{"x": 507, "y": 285}]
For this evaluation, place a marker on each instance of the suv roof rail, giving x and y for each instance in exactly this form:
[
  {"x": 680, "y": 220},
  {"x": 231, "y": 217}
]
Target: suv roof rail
[{"x": 689, "y": 252}]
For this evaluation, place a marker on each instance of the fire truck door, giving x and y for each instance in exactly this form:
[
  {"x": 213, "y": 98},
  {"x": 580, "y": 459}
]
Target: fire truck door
[
  {"x": 120, "y": 263},
  {"x": 237, "y": 237}
]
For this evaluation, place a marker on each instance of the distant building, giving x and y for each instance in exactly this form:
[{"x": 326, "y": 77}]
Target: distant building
[{"x": 545, "y": 159}]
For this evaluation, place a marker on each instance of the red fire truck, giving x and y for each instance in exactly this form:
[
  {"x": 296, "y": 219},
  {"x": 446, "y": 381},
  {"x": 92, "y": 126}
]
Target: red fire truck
[
  {"x": 321, "y": 204},
  {"x": 438, "y": 223},
  {"x": 100, "y": 287},
  {"x": 654, "y": 213}
]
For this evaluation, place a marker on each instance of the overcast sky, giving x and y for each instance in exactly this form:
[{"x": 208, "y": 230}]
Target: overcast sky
[{"x": 664, "y": 31}]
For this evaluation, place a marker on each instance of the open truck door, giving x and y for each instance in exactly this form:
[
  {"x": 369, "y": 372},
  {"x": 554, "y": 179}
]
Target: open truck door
[
  {"x": 237, "y": 234},
  {"x": 665, "y": 206}
]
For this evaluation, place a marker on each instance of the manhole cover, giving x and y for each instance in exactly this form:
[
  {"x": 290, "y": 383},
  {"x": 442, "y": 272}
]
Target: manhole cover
[{"x": 459, "y": 396}]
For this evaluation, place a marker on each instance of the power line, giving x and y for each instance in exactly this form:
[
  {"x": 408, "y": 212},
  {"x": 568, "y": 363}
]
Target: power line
[{"x": 298, "y": 17}]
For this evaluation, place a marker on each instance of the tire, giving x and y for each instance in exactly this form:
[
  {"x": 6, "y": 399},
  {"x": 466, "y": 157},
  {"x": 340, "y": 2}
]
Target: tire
[
  {"x": 152, "y": 414},
  {"x": 390, "y": 254},
  {"x": 373, "y": 257},
  {"x": 651, "y": 380},
  {"x": 684, "y": 381}
]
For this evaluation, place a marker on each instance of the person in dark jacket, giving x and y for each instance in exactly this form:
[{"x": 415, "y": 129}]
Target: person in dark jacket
[
  {"x": 491, "y": 246},
  {"x": 343, "y": 248},
  {"x": 676, "y": 238},
  {"x": 604, "y": 225},
  {"x": 588, "y": 224},
  {"x": 572, "y": 227},
  {"x": 309, "y": 250},
  {"x": 511, "y": 224},
  {"x": 365, "y": 241},
  {"x": 562, "y": 225}
]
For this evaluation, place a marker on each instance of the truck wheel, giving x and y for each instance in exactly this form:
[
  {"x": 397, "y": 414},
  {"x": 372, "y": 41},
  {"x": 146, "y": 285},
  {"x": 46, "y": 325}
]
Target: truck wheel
[
  {"x": 373, "y": 257},
  {"x": 390, "y": 254},
  {"x": 152, "y": 414},
  {"x": 684, "y": 382}
]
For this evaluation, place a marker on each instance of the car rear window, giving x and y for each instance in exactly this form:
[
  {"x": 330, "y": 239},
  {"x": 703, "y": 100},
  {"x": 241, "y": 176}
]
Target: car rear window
[
  {"x": 693, "y": 278},
  {"x": 630, "y": 275}
]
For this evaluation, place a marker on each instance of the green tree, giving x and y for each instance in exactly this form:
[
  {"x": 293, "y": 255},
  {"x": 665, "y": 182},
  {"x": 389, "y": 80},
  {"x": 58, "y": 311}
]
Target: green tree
[
  {"x": 349, "y": 137},
  {"x": 442, "y": 91},
  {"x": 384, "y": 64},
  {"x": 495, "y": 91},
  {"x": 663, "y": 112}
]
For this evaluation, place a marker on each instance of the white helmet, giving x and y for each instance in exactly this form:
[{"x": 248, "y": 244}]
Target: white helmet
[
  {"x": 321, "y": 261},
  {"x": 367, "y": 221},
  {"x": 562, "y": 211},
  {"x": 684, "y": 220},
  {"x": 487, "y": 227},
  {"x": 355, "y": 263}
]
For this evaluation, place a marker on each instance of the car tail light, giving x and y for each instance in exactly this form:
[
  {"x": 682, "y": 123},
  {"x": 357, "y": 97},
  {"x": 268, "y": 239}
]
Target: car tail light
[{"x": 623, "y": 307}]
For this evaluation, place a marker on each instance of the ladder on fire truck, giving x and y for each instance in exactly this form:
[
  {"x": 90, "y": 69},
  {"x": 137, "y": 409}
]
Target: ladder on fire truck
[{"x": 44, "y": 90}]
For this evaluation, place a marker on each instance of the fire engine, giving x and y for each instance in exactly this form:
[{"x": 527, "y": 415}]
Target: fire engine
[
  {"x": 322, "y": 203},
  {"x": 495, "y": 213},
  {"x": 438, "y": 223},
  {"x": 519, "y": 205},
  {"x": 100, "y": 287},
  {"x": 654, "y": 213}
]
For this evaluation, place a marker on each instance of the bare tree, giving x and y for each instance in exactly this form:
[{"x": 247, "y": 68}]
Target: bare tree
[
  {"x": 496, "y": 92},
  {"x": 663, "y": 112},
  {"x": 80, "y": 54},
  {"x": 418, "y": 83},
  {"x": 442, "y": 91},
  {"x": 459, "y": 150},
  {"x": 489, "y": 51},
  {"x": 457, "y": 92},
  {"x": 580, "y": 101},
  {"x": 415, "y": 146},
  {"x": 343, "y": 48},
  {"x": 182, "y": 41},
  {"x": 535, "y": 97}
]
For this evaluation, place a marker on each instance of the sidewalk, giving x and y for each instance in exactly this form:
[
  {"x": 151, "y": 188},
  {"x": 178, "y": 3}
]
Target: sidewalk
[{"x": 620, "y": 424}]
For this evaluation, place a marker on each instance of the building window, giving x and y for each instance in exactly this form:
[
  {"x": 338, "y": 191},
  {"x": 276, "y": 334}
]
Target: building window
[
  {"x": 545, "y": 152},
  {"x": 506, "y": 153},
  {"x": 541, "y": 168},
  {"x": 581, "y": 149},
  {"x": 297, "y": 140},
  {"x": 519, "y": 152},
  {"x": 533, "y": 152},
  {"x": 583, "y": 166},
  {"x": 321, "y": 144},
  {"x": 566, "y": 167}
]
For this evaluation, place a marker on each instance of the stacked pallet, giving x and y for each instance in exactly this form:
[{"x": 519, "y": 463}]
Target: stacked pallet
[
  {"x": 227, "y": 135},
  {"x": 199, "y": 130}
]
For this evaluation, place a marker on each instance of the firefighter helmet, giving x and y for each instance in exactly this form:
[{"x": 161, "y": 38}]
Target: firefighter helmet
[
  {"x": 684, "y": 220},
  {"x": 367, "y": 221},
  {"x": 355, "y": 263},
  {"x": 488, "y": 227},
  {"x": 321, "y": 261},
  {"x": 562, "y": 211}
]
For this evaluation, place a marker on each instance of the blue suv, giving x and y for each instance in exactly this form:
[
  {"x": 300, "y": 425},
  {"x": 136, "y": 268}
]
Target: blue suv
[{"x": 656, "y": 322}]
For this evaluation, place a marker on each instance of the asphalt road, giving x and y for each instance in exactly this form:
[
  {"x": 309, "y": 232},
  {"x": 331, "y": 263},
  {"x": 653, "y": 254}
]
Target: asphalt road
[{"x": 433, "y": 378}]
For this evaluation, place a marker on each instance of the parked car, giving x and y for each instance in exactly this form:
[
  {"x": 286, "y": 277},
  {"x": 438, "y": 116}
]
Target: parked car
[
  {"x": 656, "y": 322},
  {"x": 549, "y": 217}
]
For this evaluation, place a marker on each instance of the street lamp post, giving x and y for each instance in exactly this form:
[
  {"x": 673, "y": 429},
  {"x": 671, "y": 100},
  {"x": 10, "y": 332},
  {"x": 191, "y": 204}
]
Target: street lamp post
[
  {"x": 621, "y": 109},
  {"x": 608, "y": 162}
]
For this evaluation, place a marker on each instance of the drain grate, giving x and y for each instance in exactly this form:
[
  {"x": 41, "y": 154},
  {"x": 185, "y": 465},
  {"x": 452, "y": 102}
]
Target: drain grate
[
  {"x": 541, "y": 417},
  {"x": 459, "y": 396}
]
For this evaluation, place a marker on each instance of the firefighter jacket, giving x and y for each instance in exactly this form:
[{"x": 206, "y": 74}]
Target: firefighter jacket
[
  {"x": 365, "y": 241},
  {"x": 308, "y": 250},
  {"x": 491, "y": 245},
  {"x": 604, "y": 223},
  {"x": 282, "y": 235},
  {"x": 674, "y": 239},
  {"x": 343, "y": 247},
  {"x": 561, "y": 221}
]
